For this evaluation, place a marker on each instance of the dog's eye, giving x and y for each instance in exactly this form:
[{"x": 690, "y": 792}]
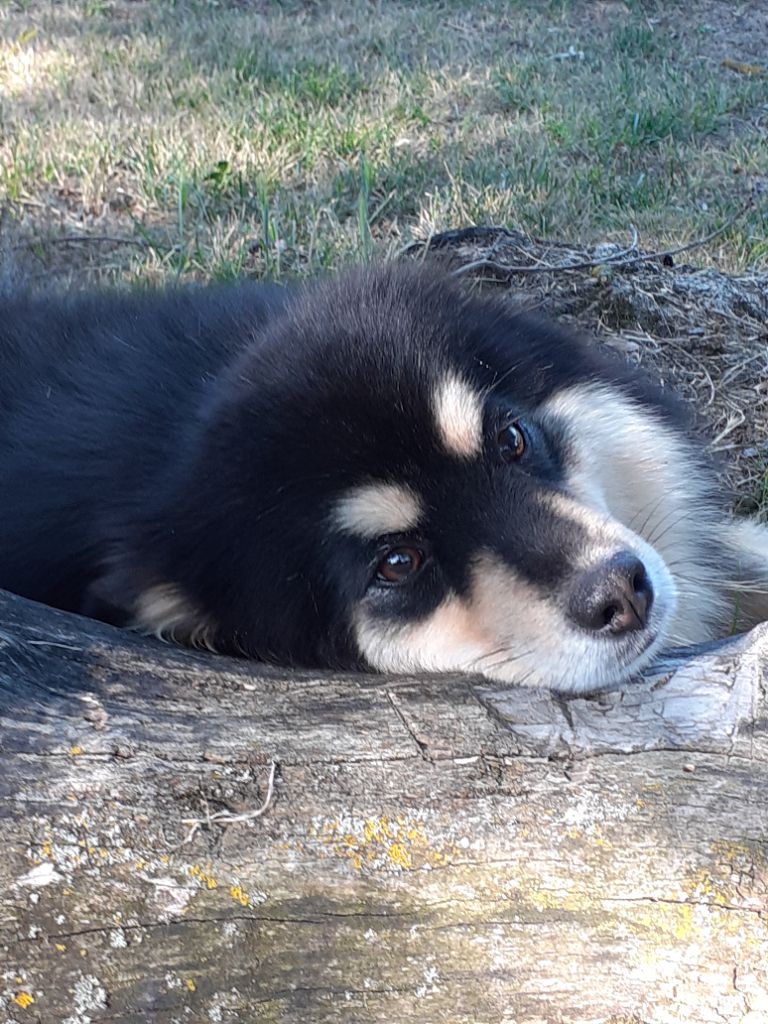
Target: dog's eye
[
  {"x": 399, "y": 564},
  {"x": 511, "y": 442}
]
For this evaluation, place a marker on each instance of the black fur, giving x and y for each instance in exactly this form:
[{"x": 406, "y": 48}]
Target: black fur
[{"x": 201, "y": 437}]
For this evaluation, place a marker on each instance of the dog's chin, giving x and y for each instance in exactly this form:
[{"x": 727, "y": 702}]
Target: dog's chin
[
  {"x": 612, "y": 677},
  {"x": 582, "y": 673}
]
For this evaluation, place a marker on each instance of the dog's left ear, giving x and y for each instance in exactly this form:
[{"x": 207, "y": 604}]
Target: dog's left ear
[
  {"x": 158, "y": 608},
  {"x": 166, "y": 612}
]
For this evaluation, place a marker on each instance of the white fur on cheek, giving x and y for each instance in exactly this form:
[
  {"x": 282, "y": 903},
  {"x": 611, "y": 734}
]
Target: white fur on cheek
[
  {"x": 630, "y": 464},
  {"x": 449, "y": 639}
]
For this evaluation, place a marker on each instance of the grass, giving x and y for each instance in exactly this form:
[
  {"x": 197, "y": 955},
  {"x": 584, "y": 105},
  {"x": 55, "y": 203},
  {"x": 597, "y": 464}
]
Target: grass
[{"x": 283, "y": 138}]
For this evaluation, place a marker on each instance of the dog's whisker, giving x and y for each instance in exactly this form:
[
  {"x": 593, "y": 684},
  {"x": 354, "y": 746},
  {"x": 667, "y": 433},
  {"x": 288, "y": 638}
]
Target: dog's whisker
[
  {"x": 671, "y": 513},
  {"x": 650, "y": 508},
  {"x": 657, "y": 537},
  {"x": 504, "y": 658}
]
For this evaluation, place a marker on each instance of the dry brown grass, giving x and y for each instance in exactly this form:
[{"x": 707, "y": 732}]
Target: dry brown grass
[{"x": 701, "y": 332}]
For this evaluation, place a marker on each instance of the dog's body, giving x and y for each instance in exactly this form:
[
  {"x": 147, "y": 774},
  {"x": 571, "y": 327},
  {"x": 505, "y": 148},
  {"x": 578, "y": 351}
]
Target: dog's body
[{"x": 373, "y": 472}]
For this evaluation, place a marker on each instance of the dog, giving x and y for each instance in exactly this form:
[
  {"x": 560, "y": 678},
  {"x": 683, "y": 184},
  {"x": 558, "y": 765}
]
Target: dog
[{"x": 378, "y": 471}]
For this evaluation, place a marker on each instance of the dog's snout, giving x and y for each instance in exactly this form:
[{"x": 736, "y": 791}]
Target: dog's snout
[{"x": 614, "y": 597}]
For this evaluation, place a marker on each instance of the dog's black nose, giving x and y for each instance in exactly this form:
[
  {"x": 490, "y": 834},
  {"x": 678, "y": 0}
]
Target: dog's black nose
[{"x": 614, "y": 597}]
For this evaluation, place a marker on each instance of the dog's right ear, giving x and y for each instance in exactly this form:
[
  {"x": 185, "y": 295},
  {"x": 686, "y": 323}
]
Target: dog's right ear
[{"x": 110, "y": 598}]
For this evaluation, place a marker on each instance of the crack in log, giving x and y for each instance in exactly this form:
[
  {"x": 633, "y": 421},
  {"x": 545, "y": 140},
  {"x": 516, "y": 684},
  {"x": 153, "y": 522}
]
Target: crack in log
[
  {"x": 671, "y": 901},
  {"x": 196, "y": 762},
  {"x": 392, "y": 916},
  {"x": 319, "y": 919},
  {"x": 435, "y": 759},
  {"x": 328, "y": 990},
  {"x": 421, "y": 747}
]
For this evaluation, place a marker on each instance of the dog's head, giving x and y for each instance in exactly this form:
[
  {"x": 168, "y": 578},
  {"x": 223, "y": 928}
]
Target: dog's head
[{"x": 401, "y": 477}]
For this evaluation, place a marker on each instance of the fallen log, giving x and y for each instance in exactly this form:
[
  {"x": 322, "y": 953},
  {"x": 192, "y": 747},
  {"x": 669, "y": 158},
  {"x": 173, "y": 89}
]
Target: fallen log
[{"x": 192, "y": 838}]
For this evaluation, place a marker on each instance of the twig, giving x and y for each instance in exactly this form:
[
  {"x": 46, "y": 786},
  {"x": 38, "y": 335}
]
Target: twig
[
  {"x": 455, "y": 236},
  {"x": 74, "y": 239},
  {"x": 228, "y": 817},
  {"x": 52, "y": 643},
  {"x": 620, "y": 259}
]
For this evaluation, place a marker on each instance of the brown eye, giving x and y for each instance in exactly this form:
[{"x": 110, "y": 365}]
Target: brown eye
[
  {"x": 399, "y": 564},
  {"x": 511, "y": 442}
]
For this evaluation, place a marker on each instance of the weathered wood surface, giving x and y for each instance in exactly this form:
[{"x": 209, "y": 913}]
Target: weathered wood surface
[{"x": 435, "y": 851}]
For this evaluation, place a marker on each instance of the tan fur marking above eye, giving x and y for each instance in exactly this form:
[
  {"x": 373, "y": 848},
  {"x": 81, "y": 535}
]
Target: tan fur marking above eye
[
  {"x": 378, "y": 508},
  {"x": 164, "y": 612},
  {"x": 459, "y": 416}
]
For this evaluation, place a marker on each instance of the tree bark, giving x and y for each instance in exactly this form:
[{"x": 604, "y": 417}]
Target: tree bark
[{"x": 432, "y": 850}]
